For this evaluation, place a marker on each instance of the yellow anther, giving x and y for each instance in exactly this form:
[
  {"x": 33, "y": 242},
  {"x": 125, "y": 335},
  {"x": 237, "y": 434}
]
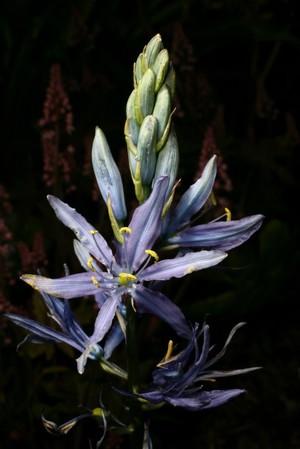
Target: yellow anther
[
  {"x": 98, "y": 412},
  {"x": 168, "y": 354},
  {"x": 228, "y": 214},
  {"x": 169, "y": 350},
  {"x": 210, "y": 380},
  {"x": 153, "y": 254},
  {"x": 95, "y": 282},
  {"x": 190, "y": 269},
  {"x": 125, "y": 229},
  {"x": 125, "y": 278},
  {"x": 90, "y": 264},
  {"x": 93, "y": 232}
]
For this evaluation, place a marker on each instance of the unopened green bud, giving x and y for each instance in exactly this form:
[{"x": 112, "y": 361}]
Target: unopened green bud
[
  {"x": 138, "y": 71},
  {"x": 152, "y": 49},
  {"x": 171, "y": 79},
  {"x": 161, "y": 67},
  {"x": 145, "y": 96},
  {"x": 162, "y": 109},
  {"x": 168, "y": 161},
  {"x": 146, "y": 148}
]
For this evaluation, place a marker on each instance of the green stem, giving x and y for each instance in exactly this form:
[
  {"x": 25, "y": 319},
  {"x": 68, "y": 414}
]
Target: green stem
[{"x": 136, "y": 415}]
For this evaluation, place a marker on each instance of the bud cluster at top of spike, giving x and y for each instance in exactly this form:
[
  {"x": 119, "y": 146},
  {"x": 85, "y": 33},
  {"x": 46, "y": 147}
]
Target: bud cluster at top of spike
[{"x": 151, "y": 141}]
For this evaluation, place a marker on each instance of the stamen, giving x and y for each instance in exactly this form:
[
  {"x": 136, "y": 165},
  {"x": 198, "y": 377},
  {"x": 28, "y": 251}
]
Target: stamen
[
  {"x": 90, "y": 264},
  {"x": 228, "y": 214},
  {"x": 125, "y": 229},
  {"x": 94, "y": 231},
  {"x": 169, "y": 350},
  {"x": 95, "y": 282},
  {"x": 125, "y": 278},
  {"x": 168, "y": 354},
  {"x": 153, "y": 254}
]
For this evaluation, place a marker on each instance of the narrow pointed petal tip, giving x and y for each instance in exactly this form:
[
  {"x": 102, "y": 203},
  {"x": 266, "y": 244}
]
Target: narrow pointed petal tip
[{"x": 220, "y": 235}]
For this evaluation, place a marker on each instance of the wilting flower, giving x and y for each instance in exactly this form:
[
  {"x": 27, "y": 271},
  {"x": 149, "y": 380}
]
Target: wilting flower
[
  {"x": 127, "y": 270},
  {"x": 179, "y": 380},
  {"x": 70, "y": 332}
]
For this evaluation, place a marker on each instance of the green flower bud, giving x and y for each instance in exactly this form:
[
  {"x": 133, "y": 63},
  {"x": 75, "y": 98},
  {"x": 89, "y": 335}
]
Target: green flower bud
[
  {"x": 152, "y": 49},
  {"x": 146, "y": 148},
  {"x": 145, "y": 96},
  {"x": 160, "y": 68},
  {"x": 138, "y": 71},
  {"x": 162, "y": 109},
  {"x": 168, "y": 161}
]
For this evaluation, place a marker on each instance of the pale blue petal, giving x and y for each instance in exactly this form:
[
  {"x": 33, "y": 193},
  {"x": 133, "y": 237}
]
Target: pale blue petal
[
  {"x": 104, "y": 319},
  {"x": 114, "y": 338},
  {"x": 221, "y": 235},
  {"x": 181, "y": 266},
  {"x": 72, "y": 286},
  {"x": 194, "y": 198},
  {"x": 95, "y": 244},
  {"x": 146, "y": 225}
]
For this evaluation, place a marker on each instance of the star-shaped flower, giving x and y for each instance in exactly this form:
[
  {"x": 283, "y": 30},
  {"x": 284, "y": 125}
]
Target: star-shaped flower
[{"x": 124, "y": 273}]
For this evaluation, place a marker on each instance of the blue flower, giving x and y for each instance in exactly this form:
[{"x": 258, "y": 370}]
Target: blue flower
[
  {"x": 179, "y": 379},
  {"x": 71, "y": 332},
  {"x": 116, "y": 276}
]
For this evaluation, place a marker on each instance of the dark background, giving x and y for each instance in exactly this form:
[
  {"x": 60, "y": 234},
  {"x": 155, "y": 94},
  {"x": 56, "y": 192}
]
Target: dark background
[{"x": 237, "y": 68}]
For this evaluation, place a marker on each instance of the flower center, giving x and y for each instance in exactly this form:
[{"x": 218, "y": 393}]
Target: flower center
[{"x": 126, "y": 279}]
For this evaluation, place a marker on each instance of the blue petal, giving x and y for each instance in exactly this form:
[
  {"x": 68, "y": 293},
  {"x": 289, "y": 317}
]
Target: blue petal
[
  {"x": 221, "y": 235},
  {"x": 194, "y": 198},
  {"x": 72, "y": 286},
  {"x": 95, "y": 243},
  {"x": 148, "y": 301},
  {"x": 45, "y": 334},
  {"x": 114, "y": 338},
  {"x": 181, "y": 266},
  {"x": 205, "y": 400},
  {"x": 104, "y": 319},
  {"x": 146, "y": 225}
]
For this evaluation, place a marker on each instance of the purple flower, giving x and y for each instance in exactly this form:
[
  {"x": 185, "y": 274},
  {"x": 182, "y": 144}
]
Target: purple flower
[
  {"x": 70, "y": 332},
  {"x": 179, "y": 379},
  {"x": 112, "y": 276}
]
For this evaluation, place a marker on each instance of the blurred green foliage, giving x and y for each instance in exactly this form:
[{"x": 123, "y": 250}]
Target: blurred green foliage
[{"x": 236, "y": 71}]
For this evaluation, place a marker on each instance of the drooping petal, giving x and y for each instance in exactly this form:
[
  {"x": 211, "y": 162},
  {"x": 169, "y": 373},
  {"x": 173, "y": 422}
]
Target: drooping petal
[
  {"x": 86, "y": 233},
  {"x": 41, "y": 333},
  {"x": 146, "y": 225},
  {"x": 181, "y": 266},
  {"x": 108, "y": 175},
  {"x": 156, "y": 303},
  {"x": 204, "y": 400},
  {"x": 72, "y": 286},
  {"x": 221, "y": 235},
  {"x": 194, "y": 198}
]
